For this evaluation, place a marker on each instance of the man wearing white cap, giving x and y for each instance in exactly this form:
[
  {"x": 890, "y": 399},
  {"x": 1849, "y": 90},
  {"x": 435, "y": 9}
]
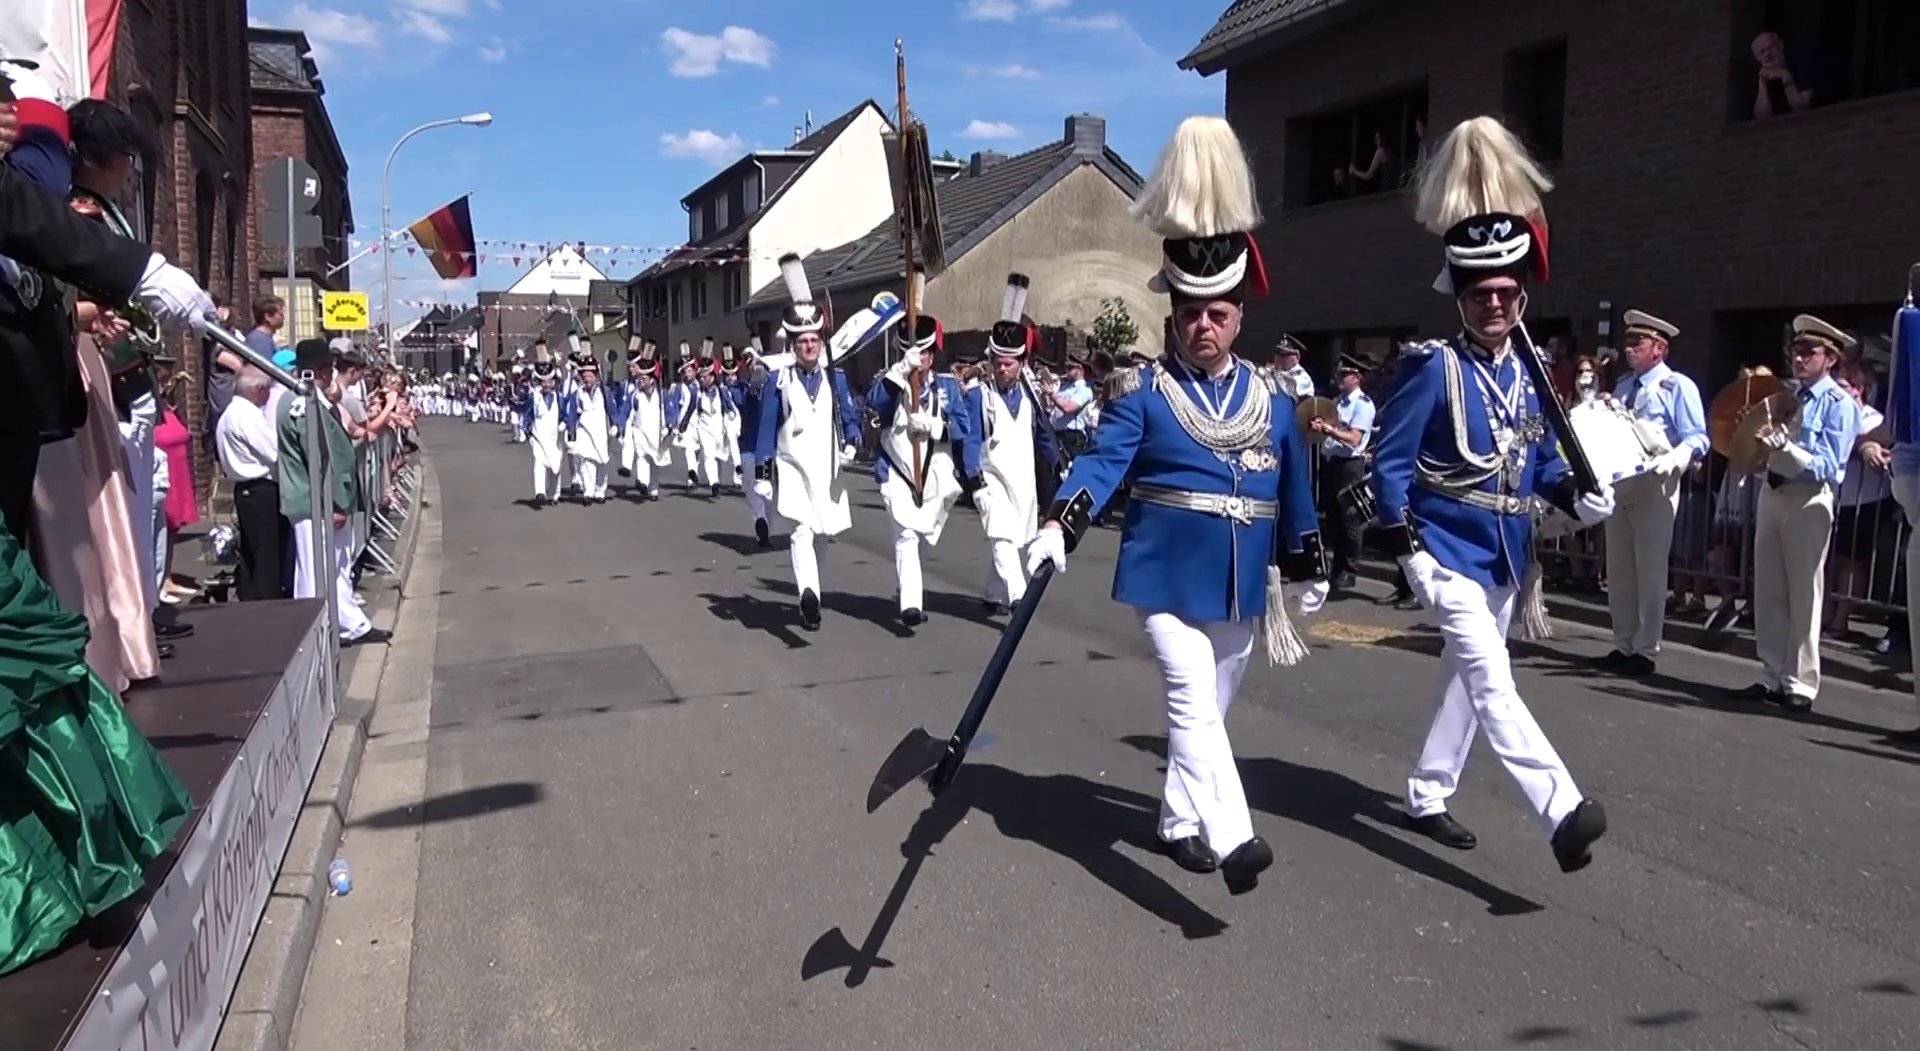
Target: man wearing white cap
[
  {"x": 1019, "y": 461},
  {"x": 1640, "y": 533},
  {"x": 1795, "y": 518}
]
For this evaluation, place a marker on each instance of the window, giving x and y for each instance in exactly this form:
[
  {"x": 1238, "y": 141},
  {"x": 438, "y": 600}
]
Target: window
[
  {"x": 673, "y": 299},
  {"x": 694, "y": 232},
  {"x": 721, "y": 213},
  {"x": 710, "y": 215},
  {"x": 732, "y": 283},
  {"x": 737, "y": 201},
  {"x": 1536, "y": 97},
  {"x": 1829, "y": 51},
  {"x": 698, "y": 295},
  {"x": 1364, "y": 148}
]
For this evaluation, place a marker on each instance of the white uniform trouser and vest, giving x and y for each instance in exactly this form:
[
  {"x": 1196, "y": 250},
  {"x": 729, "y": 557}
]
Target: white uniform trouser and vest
[
  {"x": 589, "y": 447},
  {"x": 349, "y": 619},
  {"x": 806, "y": 489},
  {"x": 1639, "y": 539},
  {"x": 709, "y": 429},
  {"x": 1201, "y": 665},
  {"x": 756, "y": 504},
  {"x": 924, "y": 519},
  {"x": 1479, "y": 694},
  {"x": 543, "y": 440},
  {"x": 1906, "y": 491},
  {"x": 1007, "y": 576},
  {"x": 1792, "y": 526},
  {"x": 1008, "y": 496}
]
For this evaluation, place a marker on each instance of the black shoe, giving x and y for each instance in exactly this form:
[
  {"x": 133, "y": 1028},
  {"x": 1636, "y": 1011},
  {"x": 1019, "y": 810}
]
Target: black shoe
[
  {"x": 164, "y": 649},
  {"x": 372, "y": 637},
  {"x": 1001, "y": 609},
  {"x": 1637, "y": 666},
  {"x": 714, "y": 490},
  {"x": 692, "y": 479},
  {"x": 1403, "y": 599},
  {"x": 1794, "y": 703},
  {"x": 1243, "y": 867},
  {"x": 1444, "y": 830},
  {"x": 1193, "y": 855},
  {"x": 810, "y": 609},
  {"x": 1576, "y": 833},
  {"x": 913, "y": 618},
  {"x": 761, "y": 533},
  {"x": 1758, "y": 693},
  {"x": 1345, "y": 581},
  {"x": 174, "y": 630},
  {"x": 1613, "y": 661}
]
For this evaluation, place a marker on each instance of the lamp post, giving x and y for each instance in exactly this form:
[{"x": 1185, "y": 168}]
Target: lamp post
[{"x": 478, "y": 120}]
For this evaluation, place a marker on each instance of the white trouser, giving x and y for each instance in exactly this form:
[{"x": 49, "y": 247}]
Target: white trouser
[
  {"x": 756, "y": 504},
  {"x": 642, "y": 469},
  {"x": 806, "y": 560},
  {"x": 709, "y": 466},
  {"x": 593, "y": 478},
  {"x": 1906, "y": 490},
  {"x": 575, "y": 466},
  {"x": 351, "y": 621},
  {"x": 906, "y": 568},
  {"x": 1639, "y": 538},
  {"x": 1479, "y": 694},
  {"x": 137, "y": 439},
  {"x": 545, "y": 482},
  {"x": 1790, "y": 536},
  {"x": 1201, "y": 665},
  {"x": 159, "y": 529},
  {"x": 1007, "y": 576}
]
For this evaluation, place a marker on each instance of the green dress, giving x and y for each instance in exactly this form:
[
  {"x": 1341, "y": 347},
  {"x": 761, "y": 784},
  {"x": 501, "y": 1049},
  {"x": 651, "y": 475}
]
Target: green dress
[{"x": 85, "y": 802}]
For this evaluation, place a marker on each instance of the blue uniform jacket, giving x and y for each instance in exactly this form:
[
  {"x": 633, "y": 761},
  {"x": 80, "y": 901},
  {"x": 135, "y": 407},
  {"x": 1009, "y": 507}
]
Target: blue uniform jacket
[
  {"x": 526, "y": 408},
  {"x": 675, "y": 403},
  {"x": 570, "y": 413},
  {"x": 1416, "y": 426},
  {"x": 744, "y": 397},
  {"x": 1046, "y": 449},
  {"x": 943, "y": 397},
  {"x": 619, "y": 399},
  {"x": 773, "y": 411},
  {"x": 1200, "y": 566}
]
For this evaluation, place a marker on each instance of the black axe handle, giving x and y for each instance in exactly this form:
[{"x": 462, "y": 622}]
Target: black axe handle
[
  {"x": 990, "y": 681},
  {"x": 1556, "y": 413}
]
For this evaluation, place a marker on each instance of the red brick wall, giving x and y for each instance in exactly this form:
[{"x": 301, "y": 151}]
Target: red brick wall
[
  {"x": 1662, "y": 202},
  {"x": 281, "y": 128}
]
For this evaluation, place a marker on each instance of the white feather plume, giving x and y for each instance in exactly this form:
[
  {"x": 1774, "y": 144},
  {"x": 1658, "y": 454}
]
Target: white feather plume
[
  {"x": 1202, "y": 186},
  {"x": 794, "y": 273},
  {"x": 1479, "y": 167},
  {"x": 1014, "y": 303}
]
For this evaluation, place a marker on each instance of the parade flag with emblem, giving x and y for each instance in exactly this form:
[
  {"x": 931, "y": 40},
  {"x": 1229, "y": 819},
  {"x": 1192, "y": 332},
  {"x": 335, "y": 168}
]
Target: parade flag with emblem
[{"x": 447, "y": 235}]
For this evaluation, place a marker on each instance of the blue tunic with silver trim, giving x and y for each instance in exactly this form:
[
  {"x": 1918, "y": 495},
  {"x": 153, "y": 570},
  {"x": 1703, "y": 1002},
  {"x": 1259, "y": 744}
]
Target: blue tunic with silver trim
[{"x": 1200, "y": 566}]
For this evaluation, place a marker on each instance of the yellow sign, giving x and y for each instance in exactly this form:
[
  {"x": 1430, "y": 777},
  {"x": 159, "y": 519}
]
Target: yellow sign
[{"x": 344, "y": 311}]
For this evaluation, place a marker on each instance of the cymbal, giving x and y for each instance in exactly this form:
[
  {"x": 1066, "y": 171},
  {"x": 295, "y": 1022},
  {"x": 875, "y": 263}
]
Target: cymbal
[
  {"x": 1723, "y": 417},
  {"x": 1745, "y": 453},
  {"x": 1310, "y": 409}
]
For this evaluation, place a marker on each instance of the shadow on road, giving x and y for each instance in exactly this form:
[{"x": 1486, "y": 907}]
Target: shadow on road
[
  {"x": 1075, "y": 818},
  {"x": 758, "y": 614},
  {"x": 881, "y": 612},
  {"x": 744, "y": 545},
  {"x": 1337, "y": 804},
  {"x": 456, "y": 806}
]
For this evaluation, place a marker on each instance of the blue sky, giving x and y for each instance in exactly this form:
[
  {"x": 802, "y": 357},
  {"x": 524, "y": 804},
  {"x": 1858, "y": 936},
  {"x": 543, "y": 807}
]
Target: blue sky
[{"x": 608, "y": 111}]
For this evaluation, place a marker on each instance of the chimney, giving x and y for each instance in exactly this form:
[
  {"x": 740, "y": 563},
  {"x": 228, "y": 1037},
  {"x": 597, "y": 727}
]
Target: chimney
[
  {"x": 1087, "y": 133},
  {"x": 983, "y": 160}
]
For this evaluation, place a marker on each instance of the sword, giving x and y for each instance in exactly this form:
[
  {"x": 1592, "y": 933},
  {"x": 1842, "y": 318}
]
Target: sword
[{"x": 920, "y": 754}]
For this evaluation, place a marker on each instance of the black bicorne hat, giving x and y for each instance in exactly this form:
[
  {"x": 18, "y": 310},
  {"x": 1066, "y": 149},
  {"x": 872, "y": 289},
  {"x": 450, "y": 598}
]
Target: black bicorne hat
[
  {"x": 1495, "y": 244},
  {"x": 1224, "y": 267}
]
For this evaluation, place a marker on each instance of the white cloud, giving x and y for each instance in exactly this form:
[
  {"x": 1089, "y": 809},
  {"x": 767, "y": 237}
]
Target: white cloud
[
  {"x": 495, "y": 50},
  {"x": 421, "y": 24},
  {"x": 770, "y": 101},
  {"x": 448, "y": 8},
  {"x": 709, "y": 146},
  {"x": 1012, "y": 71},
  {"x": 700, "y": 55},
  {"x": 1048, "y": 5},
  {"x": 989, "y": 129},
  {"x": 989, "y": 10},
  {"x": 330, "y": 31},
  {"x": 1104, "y": 22}
]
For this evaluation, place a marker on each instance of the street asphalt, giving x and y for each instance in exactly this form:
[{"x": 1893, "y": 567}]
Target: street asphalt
[{"x": 643, "y": 822}]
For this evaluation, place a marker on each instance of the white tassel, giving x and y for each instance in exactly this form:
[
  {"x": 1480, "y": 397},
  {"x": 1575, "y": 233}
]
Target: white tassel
[
  {"x": 1285, "y": 647},
  {"x": 794, "y": 273},
  {"x": 1534, "y": 623},
  {"x": 1014, "y": 303}
]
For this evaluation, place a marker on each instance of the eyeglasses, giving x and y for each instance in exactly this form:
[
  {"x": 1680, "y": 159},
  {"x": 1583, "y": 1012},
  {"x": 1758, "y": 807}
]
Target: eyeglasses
[{"x": 1486, "y": 297}]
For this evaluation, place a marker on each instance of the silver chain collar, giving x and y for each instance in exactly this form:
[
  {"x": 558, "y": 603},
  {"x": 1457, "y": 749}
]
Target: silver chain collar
[{"x": 1248, "y": 427}]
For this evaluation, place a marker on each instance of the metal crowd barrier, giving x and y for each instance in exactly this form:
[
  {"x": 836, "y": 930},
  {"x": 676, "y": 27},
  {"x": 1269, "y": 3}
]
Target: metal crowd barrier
[{"x": 375, "y": 523}]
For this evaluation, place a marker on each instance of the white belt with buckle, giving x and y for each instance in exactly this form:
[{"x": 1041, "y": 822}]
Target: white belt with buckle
[{"x": 1240, "y": 509}]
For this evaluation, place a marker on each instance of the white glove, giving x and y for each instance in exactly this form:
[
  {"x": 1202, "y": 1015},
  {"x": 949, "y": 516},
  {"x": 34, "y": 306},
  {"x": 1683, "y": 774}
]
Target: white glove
[
  {"x": 912, "y": 358},
  {"x": 763, "y": 489},
  {"x": 1772, "y": 437},
  {"x": 613, "y": 432},
  {"x": 926, "y": 425},
  {"x": 1049, "y": 546},
  {"x": 172, "y": 296},
  {"x": 1790, "y": 460},
  {"x": 847, "y": 453},
  {"x": 1312, "y": 597},
  {"x": 1594, "y": 508},
  {"x": 1420, "y": 568},
  {"x": 1673, "y": 461}
]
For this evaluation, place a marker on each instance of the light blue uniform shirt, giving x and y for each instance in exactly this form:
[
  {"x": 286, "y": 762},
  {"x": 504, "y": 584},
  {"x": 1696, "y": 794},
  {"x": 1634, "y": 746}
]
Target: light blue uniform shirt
[
  {"x": 1669, "y": 400},
  {"x": 1829, "y": 423},
  {"x": 1356, "y": 411},
  {"x": 1080, "y": 394}
]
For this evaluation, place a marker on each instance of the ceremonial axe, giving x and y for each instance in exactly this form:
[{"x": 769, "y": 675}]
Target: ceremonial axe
[{"x": 920, "y": 754}]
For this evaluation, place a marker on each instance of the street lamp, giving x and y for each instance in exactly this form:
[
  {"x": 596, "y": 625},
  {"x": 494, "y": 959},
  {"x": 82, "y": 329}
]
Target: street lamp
[{"x": 477, "y": 120}]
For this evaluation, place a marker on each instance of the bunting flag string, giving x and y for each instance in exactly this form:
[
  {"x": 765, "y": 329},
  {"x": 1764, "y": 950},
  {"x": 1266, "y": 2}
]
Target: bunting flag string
[{"x": 517, "y": 253}]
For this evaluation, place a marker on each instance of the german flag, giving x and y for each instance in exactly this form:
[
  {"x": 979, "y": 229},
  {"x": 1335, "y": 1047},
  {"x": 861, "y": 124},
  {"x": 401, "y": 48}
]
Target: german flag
[{"x": 447, "y": 235}]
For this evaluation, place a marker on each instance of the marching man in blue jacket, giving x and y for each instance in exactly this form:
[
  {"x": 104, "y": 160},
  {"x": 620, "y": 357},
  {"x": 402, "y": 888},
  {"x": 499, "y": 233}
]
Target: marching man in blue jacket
[
  {"x": 1019, "y": 459},
  {"x": 919, "y": 480},
  {"x": 541, "y": 417},
  {"x": 1462, "y": 453},
  {"x": 743, "y": 393},
  {"x": 808, "y": 432},
  {"x": 1221, "y": 512}
]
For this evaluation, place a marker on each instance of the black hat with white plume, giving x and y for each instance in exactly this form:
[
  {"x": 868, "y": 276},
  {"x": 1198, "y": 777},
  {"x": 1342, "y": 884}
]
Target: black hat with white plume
[
  {"x": 802, "y": 315},
  {"x": 1010, "y": 337}
]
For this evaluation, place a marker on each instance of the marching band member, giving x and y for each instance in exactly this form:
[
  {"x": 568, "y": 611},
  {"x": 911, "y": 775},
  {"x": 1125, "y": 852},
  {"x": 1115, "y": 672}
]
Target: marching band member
[
  {"x": 1795, "y": 518},
  {"x": 1458, "y": 460},
  {"x": 1344, "y": 464},
  {"x": 729, "y": 374},
  {"x": 1294, "y": 378},
  {"x": 1640, "y": 533},
  {"x": 680, "y": 413},
  {"x": 808, "y": 431},
  {"x": 540, "y": 417},
  {"x": 916, "y": 473},
  {"x": 707, "y": 420},
  {"x": 744, "y": 394},
  {"x": 1019, "y": 460},
  {"x": 1221, "y": 510},
  {"x": 588, "y": 430},
  {"x": 642, "y": 421}
]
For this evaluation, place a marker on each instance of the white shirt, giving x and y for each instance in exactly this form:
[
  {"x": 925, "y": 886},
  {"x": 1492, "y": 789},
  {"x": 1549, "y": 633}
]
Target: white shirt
[{"x": 245, "y": 441}]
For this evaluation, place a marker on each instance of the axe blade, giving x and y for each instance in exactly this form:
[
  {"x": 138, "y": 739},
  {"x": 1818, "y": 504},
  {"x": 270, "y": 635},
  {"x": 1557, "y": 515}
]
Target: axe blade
[{"x": 912, "y": 759}]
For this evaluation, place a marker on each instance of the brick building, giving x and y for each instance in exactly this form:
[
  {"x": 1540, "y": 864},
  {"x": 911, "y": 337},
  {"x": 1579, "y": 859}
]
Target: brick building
[
  {"x": 290, "y": 119},
  {"x": 1671, "y": 196}
]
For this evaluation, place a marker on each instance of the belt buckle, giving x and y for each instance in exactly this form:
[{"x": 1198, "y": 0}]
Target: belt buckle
[{"x": 1237, "y": 508}]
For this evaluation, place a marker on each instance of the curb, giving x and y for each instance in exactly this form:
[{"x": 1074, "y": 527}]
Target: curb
[
  {"x": 260, "y": 1015},
  {"x": 1692, "y": 636}
]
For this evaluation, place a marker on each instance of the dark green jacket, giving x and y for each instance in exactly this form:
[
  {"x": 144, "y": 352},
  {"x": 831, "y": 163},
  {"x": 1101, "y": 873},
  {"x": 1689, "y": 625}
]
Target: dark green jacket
[{"x": 342, "y": 478}]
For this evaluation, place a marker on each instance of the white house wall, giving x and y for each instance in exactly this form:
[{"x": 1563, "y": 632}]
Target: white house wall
[
  {"x": 563, "y": 272},
  {"x": 838, "y": 198}
]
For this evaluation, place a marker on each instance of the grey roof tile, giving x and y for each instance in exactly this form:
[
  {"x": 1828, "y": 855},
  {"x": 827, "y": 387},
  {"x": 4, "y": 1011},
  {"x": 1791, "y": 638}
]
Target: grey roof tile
[{"x": 1245, "y": 21}]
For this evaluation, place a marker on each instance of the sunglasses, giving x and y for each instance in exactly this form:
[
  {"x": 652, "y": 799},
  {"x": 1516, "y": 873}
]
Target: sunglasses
[{"x": 1487, "y": 297}]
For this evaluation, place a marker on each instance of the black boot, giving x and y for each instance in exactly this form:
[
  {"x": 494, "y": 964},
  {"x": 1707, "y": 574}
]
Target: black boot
[
  {"x": 810, "y": 609},
  {"x": 714, "y": 490},
  {"x": 761, "y": 534},
  {"x": 1243, "y": 867},
  {"x": 1576, "y": 834},
  {"x": 1444, "y": 830},
  {"x": 913, "y": 618},
  {"x": 1193, "y": 854}
]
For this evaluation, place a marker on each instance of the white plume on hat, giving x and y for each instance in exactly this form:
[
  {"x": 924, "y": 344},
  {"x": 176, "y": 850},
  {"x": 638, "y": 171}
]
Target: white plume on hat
[
  {"x": 1013, "y": 304},
  {"x": 1202, "y": 186},
  {"x": 1480, "y": 167},
  {"x": 794, "y": 273}
]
